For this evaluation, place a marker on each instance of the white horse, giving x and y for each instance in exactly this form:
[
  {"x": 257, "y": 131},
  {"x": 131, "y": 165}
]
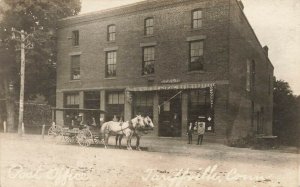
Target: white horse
[
  {"x": 121, "y": 128},
  {"x": 137, "y": 132}
]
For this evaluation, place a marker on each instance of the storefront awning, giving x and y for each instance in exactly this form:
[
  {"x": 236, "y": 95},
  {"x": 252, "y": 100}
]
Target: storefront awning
[{"x": 171, "y": 87}]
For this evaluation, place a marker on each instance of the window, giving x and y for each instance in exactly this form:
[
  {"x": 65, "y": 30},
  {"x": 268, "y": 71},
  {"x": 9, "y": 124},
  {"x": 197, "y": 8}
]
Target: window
[
  {"x": 72, "y": 100},
  {"x": 144, "y": 100},
  {"x": 92, "y": 100},
  {"x": 116, "y": 98},
  {"x": 75, "y": 38},
  {"x": 196, "y": 56},
  {"x": 253, "y": 72},
  {"x": 199, "y": 97},
  {"x": 111, "y": 33},
  {"x": 248, "y": 76},
  {"x": 75, "y": 67},
  {"x": 111, "y": 63},
  {"x": 197, "y": 19},
  {"x": 149, "y": 26},
  {"x": 148, "y": 60}
]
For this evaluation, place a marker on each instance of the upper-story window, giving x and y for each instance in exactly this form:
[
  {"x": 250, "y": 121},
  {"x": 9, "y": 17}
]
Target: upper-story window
[
  {"x": 111, "y": 33},
  {"x": 250, "y": 77},
  {"x": 197, "y": 16},
  {"x": 75, "y": 38},
  {"x": 148, "y": 60},
  {"x": 149, "y": 26},
  {"x": 111, "y": 64},
  {"x": 253, "y": 75},
  {"x": 196, "y": 55},
  {"x": 75, "y": 67}
]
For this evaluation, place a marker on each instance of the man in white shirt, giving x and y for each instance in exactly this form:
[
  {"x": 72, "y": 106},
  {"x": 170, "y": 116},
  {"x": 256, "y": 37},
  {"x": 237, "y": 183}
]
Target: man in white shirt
[{"x": 200, "y": 131}]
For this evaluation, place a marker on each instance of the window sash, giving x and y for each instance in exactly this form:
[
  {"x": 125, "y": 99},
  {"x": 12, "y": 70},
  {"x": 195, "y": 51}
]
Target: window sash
[
  {"x": 115, "y": 98},
  {"x": 144, "y": 100},
  {"x": 149, "y": 26},
  {"x": 75, "y": 67},
  {"x": 111, "y": 30},
  {"x": 148, "y": 60},
  {"x": 196, "y": 55},
  {"x": 197, "y": 16},
  {"x": 111, "y": 63},
  {"x": 72, "y": 99},
  {"x": 75, "y": 38}
]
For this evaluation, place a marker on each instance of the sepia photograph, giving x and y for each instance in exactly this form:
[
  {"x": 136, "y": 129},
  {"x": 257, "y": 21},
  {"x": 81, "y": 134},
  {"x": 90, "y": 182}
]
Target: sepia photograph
[{"x": 149, "y": 93}]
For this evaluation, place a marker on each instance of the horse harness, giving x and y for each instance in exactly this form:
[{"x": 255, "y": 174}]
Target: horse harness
[{"x": 130, "y": 126}]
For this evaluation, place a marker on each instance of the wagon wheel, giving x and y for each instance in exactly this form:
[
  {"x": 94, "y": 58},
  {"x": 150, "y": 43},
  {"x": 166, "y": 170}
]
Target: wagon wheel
[
  {"x": 70, "y": 139},
  {"x": 54, "y": 131},
  {"x": 96, "y": 140},
  {"x": 85, "y": 137}
]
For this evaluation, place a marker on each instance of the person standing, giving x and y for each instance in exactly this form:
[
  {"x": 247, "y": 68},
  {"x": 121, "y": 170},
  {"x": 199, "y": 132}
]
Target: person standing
[
  {"x": 190, "y": 133},
  {"x": 200, "y": 131}
]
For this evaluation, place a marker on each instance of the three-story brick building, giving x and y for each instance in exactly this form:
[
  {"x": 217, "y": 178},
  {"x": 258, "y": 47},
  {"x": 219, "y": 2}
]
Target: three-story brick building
[{"x": 174, "y": 60}]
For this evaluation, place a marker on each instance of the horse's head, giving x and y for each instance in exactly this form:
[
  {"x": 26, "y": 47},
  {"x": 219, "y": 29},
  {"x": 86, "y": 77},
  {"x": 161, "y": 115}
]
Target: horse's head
[
  {"x": 138, "y": 121},
  {"x": 148, "y": 122}
]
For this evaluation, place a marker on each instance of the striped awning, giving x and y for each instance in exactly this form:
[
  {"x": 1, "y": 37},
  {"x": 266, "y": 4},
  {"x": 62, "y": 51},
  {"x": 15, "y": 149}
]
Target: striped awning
[{"x": 171, "y": 87}]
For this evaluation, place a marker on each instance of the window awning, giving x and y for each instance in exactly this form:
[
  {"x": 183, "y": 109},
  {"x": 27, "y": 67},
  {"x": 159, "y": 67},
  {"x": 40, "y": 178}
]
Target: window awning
[{"x": 171, "y": 87}]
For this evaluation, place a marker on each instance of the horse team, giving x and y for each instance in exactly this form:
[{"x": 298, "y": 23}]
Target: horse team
[{"x": 134, "y": 127}]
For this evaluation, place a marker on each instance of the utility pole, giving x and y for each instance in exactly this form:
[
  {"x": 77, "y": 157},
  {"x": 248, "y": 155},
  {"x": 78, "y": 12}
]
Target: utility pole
[{"x": 24, "y": 44}]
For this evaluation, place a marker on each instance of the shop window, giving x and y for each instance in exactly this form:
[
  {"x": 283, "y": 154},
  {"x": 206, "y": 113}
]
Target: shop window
[
  {"x": 92, "y": 100},
  {"x": 148, "y": 60},
  {"x": 144, "y": 104},
  {"x": 115, "y": 106},
  {"x": 196, "y": 56},
  {"x": 149, "y": 26},
  {"x": 72, "y": 100}
]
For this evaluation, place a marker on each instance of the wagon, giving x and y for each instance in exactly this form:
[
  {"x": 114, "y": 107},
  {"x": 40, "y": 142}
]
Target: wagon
[{"x": 82, "y": 134}]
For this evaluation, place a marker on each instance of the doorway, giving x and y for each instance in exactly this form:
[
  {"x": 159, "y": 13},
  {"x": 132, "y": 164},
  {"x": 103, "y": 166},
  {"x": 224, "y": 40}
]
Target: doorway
[{"x": 170, "y": 114}]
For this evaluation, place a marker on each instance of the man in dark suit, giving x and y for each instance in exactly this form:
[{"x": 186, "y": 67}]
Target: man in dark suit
[{"x": 190, "y": 133}]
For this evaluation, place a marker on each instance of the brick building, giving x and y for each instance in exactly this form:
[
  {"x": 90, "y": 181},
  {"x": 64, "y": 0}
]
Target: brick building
[{"x": 174, "y": 60}]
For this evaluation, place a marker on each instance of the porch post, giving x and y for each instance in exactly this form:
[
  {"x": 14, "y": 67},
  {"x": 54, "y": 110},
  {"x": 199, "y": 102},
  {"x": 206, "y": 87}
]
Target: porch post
[
  {"x": 184, "y": 115},
  {"x": 155, "y": 113},
  {"x": 102, "y": 105},
  {"x": 127, "y": 108}
]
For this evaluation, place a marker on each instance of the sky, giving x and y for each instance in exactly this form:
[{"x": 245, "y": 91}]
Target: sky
[{"x": 275, "y": 22}]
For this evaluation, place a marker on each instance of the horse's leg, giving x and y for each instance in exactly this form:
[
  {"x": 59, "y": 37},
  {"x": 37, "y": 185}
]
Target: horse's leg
[
  {"x": 106, "y": 140},
  {"x": 138, "y": 142},
  {"x": 117, "y": 137},
  {"x": 128, "y": 141},
  {"x": 120, "y": 141}
]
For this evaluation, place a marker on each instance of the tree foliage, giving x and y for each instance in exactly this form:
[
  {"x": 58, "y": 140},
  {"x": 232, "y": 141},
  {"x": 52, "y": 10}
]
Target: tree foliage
[
  {"x": 286, "y": 113},
  {"x": 39, "y": 18}
]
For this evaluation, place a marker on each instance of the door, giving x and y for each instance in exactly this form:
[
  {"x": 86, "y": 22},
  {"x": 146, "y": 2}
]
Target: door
[{"x": 170, "y": 114}]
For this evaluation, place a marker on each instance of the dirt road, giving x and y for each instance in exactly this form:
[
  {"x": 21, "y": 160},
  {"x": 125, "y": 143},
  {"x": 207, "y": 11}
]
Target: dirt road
[{"x": 33, "y": 162}]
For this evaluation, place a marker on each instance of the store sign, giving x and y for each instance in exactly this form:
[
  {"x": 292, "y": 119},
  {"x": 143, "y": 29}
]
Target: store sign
[{"x": 170, "y": 81}]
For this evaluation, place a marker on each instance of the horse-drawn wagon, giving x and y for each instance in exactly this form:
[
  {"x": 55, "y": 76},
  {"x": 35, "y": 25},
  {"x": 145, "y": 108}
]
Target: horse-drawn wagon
[
  {"x": 86, "y": 134},
  {"x": 76, "y": 129}
]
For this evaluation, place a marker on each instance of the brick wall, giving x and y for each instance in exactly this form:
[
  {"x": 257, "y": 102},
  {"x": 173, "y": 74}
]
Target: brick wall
[
  {"x": 172, "y": 27},
  {"x": 245, "y": 46}
]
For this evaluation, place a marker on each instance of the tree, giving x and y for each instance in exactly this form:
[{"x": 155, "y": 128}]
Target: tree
[
  {"x": 285, "y": 113},
  {"x": 39, "y": 18}
]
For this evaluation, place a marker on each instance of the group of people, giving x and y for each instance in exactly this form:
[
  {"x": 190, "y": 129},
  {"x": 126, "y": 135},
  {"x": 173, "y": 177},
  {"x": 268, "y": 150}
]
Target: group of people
[{"x": 199, "y": 128}]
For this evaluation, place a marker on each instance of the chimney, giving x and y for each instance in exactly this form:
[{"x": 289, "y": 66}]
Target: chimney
[
  {"x": 241, "y": 4},
  {"x": 266, "y": 49}
]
